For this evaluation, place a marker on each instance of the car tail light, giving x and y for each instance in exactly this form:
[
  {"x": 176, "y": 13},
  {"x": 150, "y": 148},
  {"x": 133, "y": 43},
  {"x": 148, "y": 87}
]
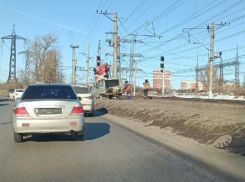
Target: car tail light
[
  {"x": 16, "y": 93},
  {"x": 20, "y": 111},
  {"x": 90, "y": 97},
  {"x": 77, "y": 110}
]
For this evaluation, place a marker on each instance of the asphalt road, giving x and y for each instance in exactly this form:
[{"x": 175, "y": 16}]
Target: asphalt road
[{"x": 109, "y": 153}]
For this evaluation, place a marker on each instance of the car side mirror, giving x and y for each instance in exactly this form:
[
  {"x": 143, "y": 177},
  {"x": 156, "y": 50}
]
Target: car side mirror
[{"x": 80, "y": 98}]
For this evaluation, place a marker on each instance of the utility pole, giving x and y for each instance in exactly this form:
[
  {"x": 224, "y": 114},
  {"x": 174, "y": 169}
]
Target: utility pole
[
  {"x": 197, "y": 78},
  {"x": 12, "y": 62},
  {"x": 119, "y": 57},
  {"x": 131, "y": 59},
  {"x": 211, "y": 59},
  {"x": 132, "y": 41},
  {"x": 135, "y": 75},
  {"x": 237, "y": 83},
  {"x": 115, "y": 45},
  {"x": 115, "y": 42},
  {"x": 87, "y": 75},
  {"x": 27, "y": 55},
  {"x": 210, "y": 84},
  {"x": 221, "y": 77},
  {"x": 74, "y": 63}
]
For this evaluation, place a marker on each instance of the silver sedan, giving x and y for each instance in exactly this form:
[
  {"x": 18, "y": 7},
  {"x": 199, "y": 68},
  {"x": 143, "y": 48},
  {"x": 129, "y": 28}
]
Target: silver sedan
[{"x": 48, "y": 108}]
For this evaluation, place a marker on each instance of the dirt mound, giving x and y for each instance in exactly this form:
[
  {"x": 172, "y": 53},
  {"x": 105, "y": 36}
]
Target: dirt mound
[{"x": 204, "y": 122}]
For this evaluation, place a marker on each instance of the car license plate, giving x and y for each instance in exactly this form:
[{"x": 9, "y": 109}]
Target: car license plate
[{"x": 49, "y": 111}]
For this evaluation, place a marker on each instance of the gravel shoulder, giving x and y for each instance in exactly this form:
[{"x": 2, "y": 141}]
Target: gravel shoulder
[{"x": 202, "y": 121}]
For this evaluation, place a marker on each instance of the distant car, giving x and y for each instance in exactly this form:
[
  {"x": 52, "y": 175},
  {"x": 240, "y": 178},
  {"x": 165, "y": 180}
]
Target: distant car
[
  {"x": 10, "y": 90},
  {"x": 17, "y": 94},
  {"x": 48, "y": 108},
  {"x": 11, "y": 94},
  {"x": 86, "y": 99}
]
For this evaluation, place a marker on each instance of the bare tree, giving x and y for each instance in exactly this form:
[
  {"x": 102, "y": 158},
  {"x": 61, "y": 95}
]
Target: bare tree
[
  {"x": 50, "y": 65},
  {"x": 204, "y": 78},
  {"x": 44, "y": 56}
]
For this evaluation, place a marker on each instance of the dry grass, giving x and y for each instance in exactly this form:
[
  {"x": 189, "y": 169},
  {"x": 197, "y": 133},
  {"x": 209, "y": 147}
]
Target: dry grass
[{"x": 202, "y": 121}]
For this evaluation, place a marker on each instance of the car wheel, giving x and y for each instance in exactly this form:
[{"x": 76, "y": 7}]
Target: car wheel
[
  {"x": 90, "y": 114},
  {"x": 18, "y": 137}
]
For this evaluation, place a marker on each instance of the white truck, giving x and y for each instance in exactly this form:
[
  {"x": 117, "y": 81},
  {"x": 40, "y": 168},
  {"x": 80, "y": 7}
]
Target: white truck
[{"x": 110, "y": 88}]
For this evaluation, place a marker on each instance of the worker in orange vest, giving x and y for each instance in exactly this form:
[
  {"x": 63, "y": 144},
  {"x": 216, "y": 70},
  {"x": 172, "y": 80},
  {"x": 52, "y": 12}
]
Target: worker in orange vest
[
  {"x": 127, "y": 89},
  {"x": 146, "y": 88}
]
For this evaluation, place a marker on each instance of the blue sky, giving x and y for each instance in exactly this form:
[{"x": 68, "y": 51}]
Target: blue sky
[{"x": 76, "y": 22}]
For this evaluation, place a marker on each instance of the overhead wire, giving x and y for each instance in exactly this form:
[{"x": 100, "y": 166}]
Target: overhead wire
[
  {"x": 91, "y": 30},
  {"x": 89, "y": 24},
  {"x": 135, "y": 10},
  {"x": 220, "y": 13},
  {"x": 95, "y": 29}
]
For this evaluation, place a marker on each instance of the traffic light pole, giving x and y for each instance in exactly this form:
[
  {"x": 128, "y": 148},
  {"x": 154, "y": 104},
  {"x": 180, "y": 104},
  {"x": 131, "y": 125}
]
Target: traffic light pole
[
  {"x": 162, "y": 70},
  {"x": 163, "y": 82}
]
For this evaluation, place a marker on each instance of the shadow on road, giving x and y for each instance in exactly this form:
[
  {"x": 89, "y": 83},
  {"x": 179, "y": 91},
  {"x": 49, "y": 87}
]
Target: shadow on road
[
  {"x": 2, "y": 100},
  {"x": 96, "y": 130},
  {"x": 100, "y": 112},
  {"x": 3, "y": 105},
  {"x": 48, "y": 138},
  {"x": 6, "y": 123},
  {"x": 92, "y": 131}
]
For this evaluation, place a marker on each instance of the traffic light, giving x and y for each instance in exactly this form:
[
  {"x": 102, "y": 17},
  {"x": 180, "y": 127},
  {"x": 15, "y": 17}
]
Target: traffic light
[
  {"x": 98, "y": 60},
  {"x": 162, "y": 62}
]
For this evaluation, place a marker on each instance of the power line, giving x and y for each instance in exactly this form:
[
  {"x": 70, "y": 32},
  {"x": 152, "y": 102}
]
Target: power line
[
  {"x": 220, "y": 13},
  {"x": 88, "y": 25},
  {"x": 135, "y": 10}
]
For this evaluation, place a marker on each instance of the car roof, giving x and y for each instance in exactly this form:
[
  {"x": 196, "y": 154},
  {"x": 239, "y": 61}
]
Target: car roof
[
  {"x": 49, "y": 84},
  {"x": 81, "y": 86}
]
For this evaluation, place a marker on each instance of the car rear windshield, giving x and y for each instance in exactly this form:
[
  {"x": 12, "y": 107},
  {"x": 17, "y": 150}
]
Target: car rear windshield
[
  {"x": 49, "y": 92},
  {"x": 19, "y": 90},
  {"x": 81, "y": 90},
  {"x": 111, "y": 83}
]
